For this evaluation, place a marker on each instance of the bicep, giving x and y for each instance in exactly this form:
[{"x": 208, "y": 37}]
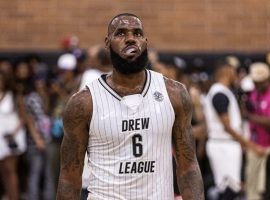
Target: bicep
[
  {"x": 183, "y": 140},
  {"x": 75, "y": 120}
]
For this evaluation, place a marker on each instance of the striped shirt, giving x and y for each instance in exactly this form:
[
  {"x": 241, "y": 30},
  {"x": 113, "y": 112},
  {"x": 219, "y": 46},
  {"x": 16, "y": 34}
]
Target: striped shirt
[{"x": 130, "y": 142}]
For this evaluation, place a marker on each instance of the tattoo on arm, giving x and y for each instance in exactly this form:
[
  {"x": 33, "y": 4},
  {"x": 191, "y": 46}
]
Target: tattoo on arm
[
  {"x": 190, "y": 185},
  {"x": 188, "y": 173},
  {"x": 66, "y": 191},
  {"x": 75, "y": 119}
]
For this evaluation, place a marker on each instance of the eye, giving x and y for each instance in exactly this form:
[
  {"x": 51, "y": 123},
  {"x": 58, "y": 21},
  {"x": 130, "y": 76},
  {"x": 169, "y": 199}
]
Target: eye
[
  {"x": 120, "y": 33},
  {"x": 138, "y": 34}
]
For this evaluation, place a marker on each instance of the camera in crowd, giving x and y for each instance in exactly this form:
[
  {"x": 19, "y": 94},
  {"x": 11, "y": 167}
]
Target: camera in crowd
[{"x": 12, "y": 144}]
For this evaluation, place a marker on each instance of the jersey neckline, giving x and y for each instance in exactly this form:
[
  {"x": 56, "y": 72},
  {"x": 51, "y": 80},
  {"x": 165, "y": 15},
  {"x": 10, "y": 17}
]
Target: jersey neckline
[{"x": 146, "y": 86}]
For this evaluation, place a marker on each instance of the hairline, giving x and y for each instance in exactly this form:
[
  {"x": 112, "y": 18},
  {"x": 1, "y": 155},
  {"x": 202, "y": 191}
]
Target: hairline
[{"x": 120, "y": 15}]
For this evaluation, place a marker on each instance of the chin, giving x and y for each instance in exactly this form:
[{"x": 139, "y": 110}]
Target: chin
[
  {"x": 131, "y": 59},
  {"x": 129, "y": 64}
]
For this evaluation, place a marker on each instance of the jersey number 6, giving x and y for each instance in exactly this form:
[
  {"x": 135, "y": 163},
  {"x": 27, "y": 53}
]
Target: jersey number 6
[{"x": 137, "y": 145}]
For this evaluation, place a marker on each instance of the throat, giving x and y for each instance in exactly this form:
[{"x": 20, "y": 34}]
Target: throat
[
  {"x": 126, "y": 91},
  {"x": 127, "y": 85}
]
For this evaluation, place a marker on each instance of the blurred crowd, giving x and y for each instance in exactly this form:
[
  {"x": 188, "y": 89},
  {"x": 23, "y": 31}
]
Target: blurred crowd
[{"x": 231, "y": 121}]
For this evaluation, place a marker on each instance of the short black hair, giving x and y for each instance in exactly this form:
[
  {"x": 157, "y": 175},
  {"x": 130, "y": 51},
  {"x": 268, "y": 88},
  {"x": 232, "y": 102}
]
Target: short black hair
[
  {"x": 119, "y": 15},
  {"x": 221, "y": 63}
]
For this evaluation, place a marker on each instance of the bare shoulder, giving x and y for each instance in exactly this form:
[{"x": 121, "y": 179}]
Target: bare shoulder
[
  {"x": 178, "y": 95},
  {"x": 78, "y": 109}
]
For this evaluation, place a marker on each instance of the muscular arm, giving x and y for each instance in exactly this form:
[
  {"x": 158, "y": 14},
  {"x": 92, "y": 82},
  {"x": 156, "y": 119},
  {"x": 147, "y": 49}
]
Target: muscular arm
[
  {"x": 224, "y": 118},
  {"x": 188, "y": 173},
  {"x": 76, "y": 120}
]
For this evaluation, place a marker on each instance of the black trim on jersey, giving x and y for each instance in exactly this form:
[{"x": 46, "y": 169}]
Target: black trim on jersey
[
  {"x": 102, "y": 81},
  {"x": 146, "y": 85}
]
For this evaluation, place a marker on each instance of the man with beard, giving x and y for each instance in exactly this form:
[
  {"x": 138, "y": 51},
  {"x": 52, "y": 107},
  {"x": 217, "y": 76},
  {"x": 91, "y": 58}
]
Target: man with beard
[{"x": 126, "y": 121}]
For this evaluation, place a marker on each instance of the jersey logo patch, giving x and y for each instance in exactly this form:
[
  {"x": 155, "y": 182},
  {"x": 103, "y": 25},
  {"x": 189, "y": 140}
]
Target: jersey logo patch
[{"x": 158, "y": 96}]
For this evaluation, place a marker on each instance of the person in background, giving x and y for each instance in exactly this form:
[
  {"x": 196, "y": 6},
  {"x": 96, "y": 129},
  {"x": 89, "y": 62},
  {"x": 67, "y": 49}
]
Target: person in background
[
  {"x": 61, "y": 88},
  {"x": 99, "y": 63},
  {"x": 225, "y": 138},
  {"x": 39, "y": 183},
  {"x": 6, "y": 67},
  {"x": 40, "y": 73},
  {"x": 257, "y": 112},
  {"x": 12, "y": 136},
  {"x": 194, "y": 83}
]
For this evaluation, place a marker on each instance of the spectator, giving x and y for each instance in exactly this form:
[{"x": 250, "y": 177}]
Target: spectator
[
  {"x": 258, "y": 113},
  {"x": 38, "y": 126},
  {"x": 224, "y": 133},
  {"x": 61, "y": 88},
  {"x": 99, "y": 63},
  {"x": 6, "y": 67},
  {"x": 12, "y": 137},
  {"x": 40, "y": 74}
]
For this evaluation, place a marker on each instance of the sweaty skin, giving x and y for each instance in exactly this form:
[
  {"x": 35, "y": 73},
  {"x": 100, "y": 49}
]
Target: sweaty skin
[
  {"x": 122, "y": 22},
  {"x": 76, "y": 120},
  {"x": 77, "y": 116},
  {"x": 125, "y": 31}
]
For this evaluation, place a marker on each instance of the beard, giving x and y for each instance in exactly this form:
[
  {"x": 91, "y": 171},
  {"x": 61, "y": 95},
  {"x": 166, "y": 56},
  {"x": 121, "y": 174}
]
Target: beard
[{"x": 126, "y": 66}]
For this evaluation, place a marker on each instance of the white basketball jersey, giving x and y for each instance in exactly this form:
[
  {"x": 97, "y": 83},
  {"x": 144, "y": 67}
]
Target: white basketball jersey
[
  {"x": 130, "y": 148},
  {"x": 216, "y": 129}
]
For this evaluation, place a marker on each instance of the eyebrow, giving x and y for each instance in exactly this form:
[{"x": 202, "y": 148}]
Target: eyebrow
[{"x": 124, "y": 29}]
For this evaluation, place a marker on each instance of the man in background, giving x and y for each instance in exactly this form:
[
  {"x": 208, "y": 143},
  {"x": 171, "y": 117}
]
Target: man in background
[
  {"x": 225, "y": 138},
  {"x": 257, "y": 113}
]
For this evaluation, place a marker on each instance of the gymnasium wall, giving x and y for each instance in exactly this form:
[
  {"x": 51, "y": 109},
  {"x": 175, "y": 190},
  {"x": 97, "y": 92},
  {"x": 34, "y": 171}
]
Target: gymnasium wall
[{"x": 171, "y": 25}]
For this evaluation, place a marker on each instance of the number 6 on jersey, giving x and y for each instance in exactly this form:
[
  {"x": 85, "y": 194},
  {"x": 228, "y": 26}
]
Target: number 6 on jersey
[{"x": 137, "y": 145}]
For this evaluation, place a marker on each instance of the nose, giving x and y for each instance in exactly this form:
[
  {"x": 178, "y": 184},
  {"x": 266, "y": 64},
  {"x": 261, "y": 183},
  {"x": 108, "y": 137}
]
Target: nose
[{"x": 130, "y": 39}]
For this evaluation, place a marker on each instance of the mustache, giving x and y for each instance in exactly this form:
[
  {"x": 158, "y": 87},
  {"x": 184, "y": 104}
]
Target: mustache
[{"x": 125, "y": 66}]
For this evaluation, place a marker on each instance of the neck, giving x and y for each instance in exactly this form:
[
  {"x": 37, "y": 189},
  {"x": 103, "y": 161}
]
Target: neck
[{"x": 127, "y": 84}]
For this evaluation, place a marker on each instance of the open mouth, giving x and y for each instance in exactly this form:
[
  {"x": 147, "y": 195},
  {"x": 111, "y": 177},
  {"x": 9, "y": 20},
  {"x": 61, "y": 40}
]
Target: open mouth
[{"x": 130, "y": 51}]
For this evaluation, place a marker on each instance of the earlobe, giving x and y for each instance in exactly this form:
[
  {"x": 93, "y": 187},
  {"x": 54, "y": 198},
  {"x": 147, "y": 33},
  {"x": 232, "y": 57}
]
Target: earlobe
[{"x": 107, "y": 43}]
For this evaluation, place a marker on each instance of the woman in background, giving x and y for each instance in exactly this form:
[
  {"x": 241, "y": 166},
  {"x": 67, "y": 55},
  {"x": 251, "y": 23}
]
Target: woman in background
[{"x": 12, "y": 137}]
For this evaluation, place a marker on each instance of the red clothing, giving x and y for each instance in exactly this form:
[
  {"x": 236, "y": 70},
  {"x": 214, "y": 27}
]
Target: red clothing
[{"x": 261, "y": 105}]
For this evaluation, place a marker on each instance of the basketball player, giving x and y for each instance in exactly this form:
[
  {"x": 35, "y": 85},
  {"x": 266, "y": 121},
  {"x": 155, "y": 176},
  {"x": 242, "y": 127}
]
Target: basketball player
[{"x": 126, "y": 121}]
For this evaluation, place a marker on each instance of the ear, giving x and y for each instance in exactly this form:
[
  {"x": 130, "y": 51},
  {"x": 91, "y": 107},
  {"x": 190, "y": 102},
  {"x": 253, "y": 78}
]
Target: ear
[
  {"x": 146, "y": 42},
  {"x": 107, "y": 42}
]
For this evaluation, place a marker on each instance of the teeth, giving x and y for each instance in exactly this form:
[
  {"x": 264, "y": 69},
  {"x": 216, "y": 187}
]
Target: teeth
[{"x": 132, "y": 50}]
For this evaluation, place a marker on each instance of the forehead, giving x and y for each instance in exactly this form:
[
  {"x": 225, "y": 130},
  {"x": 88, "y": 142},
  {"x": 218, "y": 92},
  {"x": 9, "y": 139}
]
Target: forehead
[{"x": 125, "y": 22}]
